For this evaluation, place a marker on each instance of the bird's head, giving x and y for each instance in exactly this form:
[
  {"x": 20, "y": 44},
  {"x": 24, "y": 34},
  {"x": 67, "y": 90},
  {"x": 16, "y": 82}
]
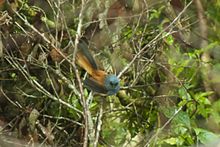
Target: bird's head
[{"x": 112, "y": 84}]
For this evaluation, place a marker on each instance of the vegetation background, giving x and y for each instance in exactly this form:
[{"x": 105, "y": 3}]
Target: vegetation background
[{"x": 165, "y": 52}]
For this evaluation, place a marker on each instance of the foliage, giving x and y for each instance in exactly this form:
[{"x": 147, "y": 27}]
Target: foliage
[{"x": 166, "y": 57}]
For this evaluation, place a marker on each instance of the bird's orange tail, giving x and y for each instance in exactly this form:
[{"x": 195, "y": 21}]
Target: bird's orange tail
[{"x": 85, "y": 60}]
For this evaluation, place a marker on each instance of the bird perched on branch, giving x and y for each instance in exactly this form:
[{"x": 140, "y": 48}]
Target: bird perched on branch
[{"x": 99, "y": 81}]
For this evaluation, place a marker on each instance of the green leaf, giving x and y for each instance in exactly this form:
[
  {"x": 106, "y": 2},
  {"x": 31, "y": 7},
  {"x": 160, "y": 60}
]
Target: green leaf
[
  {"x": 169, "y": 39},
  {"x": 14, "y": 75},
  {"x": 215, "y": 115},
  {"x": 205, "y": 136},
  {"x": 181, "y": 118},
  {"x": 171, "y": 141}
]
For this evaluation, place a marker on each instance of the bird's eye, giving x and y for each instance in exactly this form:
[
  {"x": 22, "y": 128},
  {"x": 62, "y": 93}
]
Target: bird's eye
[
  {"x": 114, "y": 84},
  {"x": 111, "y": 83}
]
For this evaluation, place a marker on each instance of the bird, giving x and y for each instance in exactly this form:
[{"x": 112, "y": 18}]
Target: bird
[{"x": 99, "y": 81}]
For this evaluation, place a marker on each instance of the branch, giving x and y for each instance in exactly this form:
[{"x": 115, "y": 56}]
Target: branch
[{"x": 86, "y": 113}]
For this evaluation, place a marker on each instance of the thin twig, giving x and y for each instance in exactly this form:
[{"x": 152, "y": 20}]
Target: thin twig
[
  {"x": 99, "y": 123},
  {"x": 36, "y": 84},
  {"x": 82, "y": 97}
]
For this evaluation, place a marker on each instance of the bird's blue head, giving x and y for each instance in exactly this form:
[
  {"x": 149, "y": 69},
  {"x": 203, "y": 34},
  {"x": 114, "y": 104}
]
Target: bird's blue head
[{"x": 112, "y": 84}]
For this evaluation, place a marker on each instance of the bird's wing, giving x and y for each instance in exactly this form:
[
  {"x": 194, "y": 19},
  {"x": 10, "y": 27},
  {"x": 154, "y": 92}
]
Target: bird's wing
[{"x": 91, "y": 84}]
